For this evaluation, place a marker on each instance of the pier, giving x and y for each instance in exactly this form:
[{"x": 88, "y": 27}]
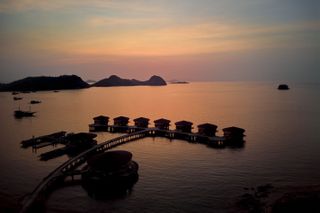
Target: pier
[
  {"x": 45, "y": 140},
  {"x": 69, "y": 169}
]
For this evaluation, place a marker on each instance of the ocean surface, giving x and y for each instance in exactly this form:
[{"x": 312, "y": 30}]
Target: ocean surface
[{"x": 282, "y": 144}]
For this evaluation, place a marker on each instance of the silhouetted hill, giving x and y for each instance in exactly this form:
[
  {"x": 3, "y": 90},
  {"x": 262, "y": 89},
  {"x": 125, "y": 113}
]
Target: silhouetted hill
[
  {"x": 46, "y": 83},
  {"x": 114, "y": 80}
]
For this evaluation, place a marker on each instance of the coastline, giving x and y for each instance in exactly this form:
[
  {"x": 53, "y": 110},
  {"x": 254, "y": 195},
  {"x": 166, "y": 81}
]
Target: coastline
[{"x": 270, "y": 199}]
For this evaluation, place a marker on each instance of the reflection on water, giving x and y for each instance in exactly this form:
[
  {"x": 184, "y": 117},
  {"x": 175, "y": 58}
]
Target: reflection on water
[{"x": 281, "y": 145}]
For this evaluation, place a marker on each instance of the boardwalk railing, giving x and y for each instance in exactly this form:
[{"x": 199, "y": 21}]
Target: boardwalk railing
[{"x": 58, "y": 175}]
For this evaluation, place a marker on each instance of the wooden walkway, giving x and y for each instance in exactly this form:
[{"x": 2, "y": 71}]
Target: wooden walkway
[{"x": 57, "y": 176}]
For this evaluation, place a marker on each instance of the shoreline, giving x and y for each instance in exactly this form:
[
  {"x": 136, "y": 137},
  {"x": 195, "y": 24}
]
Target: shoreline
[{"x": 271, "y": 199}]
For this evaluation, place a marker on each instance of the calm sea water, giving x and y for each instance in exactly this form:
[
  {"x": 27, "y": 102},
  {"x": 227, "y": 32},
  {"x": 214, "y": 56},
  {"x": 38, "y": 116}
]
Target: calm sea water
[{"x": 282, "y": 144}]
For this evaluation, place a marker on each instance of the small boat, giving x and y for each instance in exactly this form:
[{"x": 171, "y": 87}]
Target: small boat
[
  {"x": 17, "y": 98},
  {"x": 20, "y": 113},
  {"x": 35, "y": 102},
  {"x": 15, "y": 93}
]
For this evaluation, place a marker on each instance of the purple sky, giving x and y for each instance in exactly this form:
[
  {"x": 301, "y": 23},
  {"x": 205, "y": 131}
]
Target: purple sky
[{"x": 194, "y": 40}]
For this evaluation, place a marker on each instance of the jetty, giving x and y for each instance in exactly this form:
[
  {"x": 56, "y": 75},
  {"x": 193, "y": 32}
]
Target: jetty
[
  {"x": 45, "y": 140},
  {"x": 74, "y": 143},
  {"x": 66, "y": 173},
  {"x": 206, "y": 133}
]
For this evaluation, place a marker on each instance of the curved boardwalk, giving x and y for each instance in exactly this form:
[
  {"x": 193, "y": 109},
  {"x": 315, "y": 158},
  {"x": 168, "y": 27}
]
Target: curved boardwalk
[{"x": 57, "y": 176}]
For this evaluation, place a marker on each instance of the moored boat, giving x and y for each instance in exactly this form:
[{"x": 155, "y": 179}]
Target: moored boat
[
  {"x": 20, "y": 113},
  {"x": 35, "y": 102},
  {"x": 17, "y": 98}
]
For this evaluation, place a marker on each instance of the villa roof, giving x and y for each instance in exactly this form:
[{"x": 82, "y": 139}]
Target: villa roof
[
  {"x": 109, "y": 161},
  {"x": 100, "y": 117},
  {"x": 119, "y": 118},
  {"x": 183, "y": 123},
  {"x": 207, "y": 125},
  {"x": 141, "y": 119},
  {"x": 162, "y": 120},
  {"x": 234, "y": 129}
]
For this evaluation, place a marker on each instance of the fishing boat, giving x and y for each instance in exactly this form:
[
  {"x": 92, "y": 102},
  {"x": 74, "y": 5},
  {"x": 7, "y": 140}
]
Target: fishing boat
[
  {"x": 35, "y": 102},
  {"x": 17, "y": 98},
  {"x": 19, "y": 113}
]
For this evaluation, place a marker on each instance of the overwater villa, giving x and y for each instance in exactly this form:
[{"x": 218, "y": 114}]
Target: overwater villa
[
  {"x": 101, "y": 120},
  {"x": 110, "y": 172},
  {"x": 207, "y": 129},
  {"x": 233, "y": 134},
  {"x": 121, "y": 121},
  {"x": 162, "y": 123},
  {"x": 141, "y": 122},
  {"x": 184, "y": 126},
  {"x": 100, "y": 123}
]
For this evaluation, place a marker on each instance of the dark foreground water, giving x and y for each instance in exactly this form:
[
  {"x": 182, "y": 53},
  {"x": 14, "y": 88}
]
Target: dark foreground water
[{"x": 282, "y": 148}]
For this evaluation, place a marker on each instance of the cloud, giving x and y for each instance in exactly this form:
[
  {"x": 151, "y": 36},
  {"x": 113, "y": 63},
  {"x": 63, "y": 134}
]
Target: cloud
[
  {"x": 183, "y": 40},
  {"x": 26, "y": 5},
  {"x": 205, "y": 38},
  {"x": 108, "y": 21}
]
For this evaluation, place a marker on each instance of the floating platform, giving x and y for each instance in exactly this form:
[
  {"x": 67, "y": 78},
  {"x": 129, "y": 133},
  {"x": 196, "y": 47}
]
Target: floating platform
[
  {"x": 74, "y": 143},
  {"x": 44, "y": 140}
]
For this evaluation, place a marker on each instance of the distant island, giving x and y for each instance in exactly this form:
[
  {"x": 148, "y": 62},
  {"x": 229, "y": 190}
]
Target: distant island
[
  {"x": 45, "y": 83},
  {"x": 179, "y": 82},
  {"x": 64, "y": 82},
  {"x": 114, "y": 80}
]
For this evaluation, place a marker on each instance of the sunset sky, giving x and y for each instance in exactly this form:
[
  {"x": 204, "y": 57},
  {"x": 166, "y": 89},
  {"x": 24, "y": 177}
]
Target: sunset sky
[{"x": 195, "y": 40}]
